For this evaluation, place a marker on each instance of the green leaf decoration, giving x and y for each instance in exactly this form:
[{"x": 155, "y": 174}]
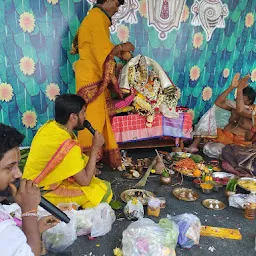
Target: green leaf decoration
[
  {"x": 116, "y": 205},
  {"x": 67, "y": 9}
]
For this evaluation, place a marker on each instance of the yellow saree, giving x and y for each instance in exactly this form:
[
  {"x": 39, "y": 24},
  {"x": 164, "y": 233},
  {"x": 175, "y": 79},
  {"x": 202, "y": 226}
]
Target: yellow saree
[
  {"x": 56, "y": 156},
  {"x": 94, "y": 46}
]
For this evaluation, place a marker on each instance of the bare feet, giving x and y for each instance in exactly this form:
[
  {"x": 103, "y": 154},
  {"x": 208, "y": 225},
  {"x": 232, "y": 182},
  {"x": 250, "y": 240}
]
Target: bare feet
[{"x": 191, "y": 150}]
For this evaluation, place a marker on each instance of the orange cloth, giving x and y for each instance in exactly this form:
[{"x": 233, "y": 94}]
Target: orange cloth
[
  {"x": 226, "y": 137},
  {"x": 94, "y": 46},
  {"x": 55, "y": 157}
]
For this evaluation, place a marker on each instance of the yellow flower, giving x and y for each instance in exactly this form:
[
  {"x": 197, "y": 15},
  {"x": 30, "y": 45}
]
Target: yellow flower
[
  {"x": 207, "y": 93},
  {"x": 185, "y": 13},
  {"x": 194, "y": 73},
  {"x": 134, "y": 201},
  {"x": 198, "y": 39},
  {"x": 29, "y": 119},
  {"x": 52, "y": 90},
  {"x": 226, "y": 72},
  {"x": 6, "y": 92},
  {"x": 143, "y": 10},
  {"x": 153, "y": 171},
  {"x": 123, "y": 33},
  {"x": 27, "y": 66},
  {"x": 192, "y": 113},
  {"x": 249, "y": 19},
  {"x": 117, "y": 252},
  {"x": 53, "y": 2},
  {"x": 178, "y": 93},
  {"x": 253, "y": 75},
  {"x": 27, "y": 22}
]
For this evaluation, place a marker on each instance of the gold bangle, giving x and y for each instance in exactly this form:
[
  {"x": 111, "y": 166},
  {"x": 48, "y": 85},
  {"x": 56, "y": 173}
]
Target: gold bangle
[{"x": 120, "y": 47}]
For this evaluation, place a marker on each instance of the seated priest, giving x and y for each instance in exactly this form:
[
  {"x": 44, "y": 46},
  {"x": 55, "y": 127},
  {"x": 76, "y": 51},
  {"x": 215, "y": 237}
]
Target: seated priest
[
  {"x": 239, "y": 123},
  {"x": 237, "y": 159},
  {"x": 56, "y": 162}
]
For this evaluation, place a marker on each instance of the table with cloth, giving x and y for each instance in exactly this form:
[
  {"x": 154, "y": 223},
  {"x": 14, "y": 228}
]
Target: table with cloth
[{"x": 133, "y": 127}]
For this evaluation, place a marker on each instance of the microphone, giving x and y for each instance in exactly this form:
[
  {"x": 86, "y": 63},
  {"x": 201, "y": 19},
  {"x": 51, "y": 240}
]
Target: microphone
[
  {"x": 88, "y": 125},
  {"x": 55, "y": 211},
  {"x": 49, "y": 207}
]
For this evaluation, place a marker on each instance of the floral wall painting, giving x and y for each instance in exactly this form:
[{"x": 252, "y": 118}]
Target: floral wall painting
[
  {"x": 126, "y": 13},
  {"x": 210, "y": 14},
  {"x": 165, "y": 15},
  {"x": 36, "y": 64}
]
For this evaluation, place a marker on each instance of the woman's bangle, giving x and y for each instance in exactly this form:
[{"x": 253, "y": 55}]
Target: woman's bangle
[
  {"x": 120, "y": 47},
  {"x": 31, "y": 214}
]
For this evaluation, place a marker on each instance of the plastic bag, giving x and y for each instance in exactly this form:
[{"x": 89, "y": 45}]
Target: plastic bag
[
  {"x": 103, "y": 220},
  {"x": 207, "y": 124},
  {"x": 213, "y": 149},
  {"x": 145, "y": 237},
  {"x": 84, "y": 221},
  {"x": 134, "y": 210},
  {"x": 214, "y": 118},
  {"x": 237, "y": 200},
  {"x": 189, "y": 229},
  {"x": 60, "y": 237}
]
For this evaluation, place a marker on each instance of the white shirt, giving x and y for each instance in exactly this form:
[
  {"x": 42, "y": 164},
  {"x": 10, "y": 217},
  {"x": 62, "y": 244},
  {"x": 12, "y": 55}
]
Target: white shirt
[{"x": 13, "y": 241}]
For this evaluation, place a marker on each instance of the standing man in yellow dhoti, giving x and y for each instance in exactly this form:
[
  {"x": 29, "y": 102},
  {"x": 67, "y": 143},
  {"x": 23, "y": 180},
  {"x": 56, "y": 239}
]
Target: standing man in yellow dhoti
[
  {"x": 94, "y": 46},
  {"x": 56, "y": 162}
]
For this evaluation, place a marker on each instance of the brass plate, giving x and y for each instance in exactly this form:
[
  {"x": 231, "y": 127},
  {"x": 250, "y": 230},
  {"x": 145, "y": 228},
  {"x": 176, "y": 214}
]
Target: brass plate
[
  {"x": 187, "y": 173},
  {"x": 141, "y": 194},
  {"x": 185, "y": 194},
  {"x": 213, "y": 204},
  {"x": 247, "y": 183},
  {"x": 132, "y": 178}
]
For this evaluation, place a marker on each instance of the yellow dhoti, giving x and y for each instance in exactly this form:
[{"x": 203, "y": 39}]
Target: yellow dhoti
[{"x": 53, "y": 160}]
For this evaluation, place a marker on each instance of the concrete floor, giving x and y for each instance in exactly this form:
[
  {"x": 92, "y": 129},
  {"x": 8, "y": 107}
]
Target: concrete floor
[{"x": 228, "y": 218}]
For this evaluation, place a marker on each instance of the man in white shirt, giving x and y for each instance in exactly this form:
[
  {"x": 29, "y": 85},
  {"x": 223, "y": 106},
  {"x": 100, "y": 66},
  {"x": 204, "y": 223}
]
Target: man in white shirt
[{"x": 13, "y": 240}]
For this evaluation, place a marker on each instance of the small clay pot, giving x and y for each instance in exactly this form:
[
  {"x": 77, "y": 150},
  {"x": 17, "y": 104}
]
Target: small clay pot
[
  {"x": 165, "y": 180},
  {"x": 140, "y": 168},
  {"x": 140, "y": 162},
  {"x": 197, "y": 182},
  {"x": 146, "y": 162},
  {"x": 217, "y": 187}
]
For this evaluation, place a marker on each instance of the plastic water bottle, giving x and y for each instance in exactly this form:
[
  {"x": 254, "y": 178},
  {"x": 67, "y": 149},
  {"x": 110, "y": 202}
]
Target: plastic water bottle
[{"x": 250, "y": 206}]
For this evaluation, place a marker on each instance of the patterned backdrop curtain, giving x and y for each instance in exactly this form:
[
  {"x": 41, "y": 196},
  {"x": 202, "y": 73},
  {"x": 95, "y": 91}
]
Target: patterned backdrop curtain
[{"x": 36, "y": 36}]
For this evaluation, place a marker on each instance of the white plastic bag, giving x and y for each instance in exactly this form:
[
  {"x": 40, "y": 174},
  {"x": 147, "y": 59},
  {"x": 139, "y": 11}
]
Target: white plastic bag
[
  {"x": 207, "y": 124},
  {"x": 213, "y": 149},
  {"x": 60, "y": 237},
  {"x": 134, "y": 209},
  {"x": 237, "y": 200},
  {"x": 84, "y": 221},
  {"x": 214, "y": 118},
  {"x": 103, "y": 220},
  {"x": 189, "y": 229},
  {"x": 145, "y": 237}
]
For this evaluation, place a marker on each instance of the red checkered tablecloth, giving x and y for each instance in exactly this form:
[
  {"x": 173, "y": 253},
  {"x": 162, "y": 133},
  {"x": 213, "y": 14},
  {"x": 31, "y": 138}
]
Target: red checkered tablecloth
[{"x": 133, "y": 127}]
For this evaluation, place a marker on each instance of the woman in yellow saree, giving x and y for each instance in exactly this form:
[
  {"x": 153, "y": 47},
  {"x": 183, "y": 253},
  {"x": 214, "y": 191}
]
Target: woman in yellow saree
[{"x": 94, "y": 46}]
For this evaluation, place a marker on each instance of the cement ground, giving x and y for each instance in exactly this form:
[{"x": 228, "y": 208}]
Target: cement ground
[{"x": 228, "y": 218}]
